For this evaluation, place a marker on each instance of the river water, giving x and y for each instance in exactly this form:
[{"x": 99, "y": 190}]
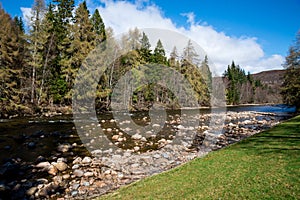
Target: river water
[{"x": 30, "y": 137}]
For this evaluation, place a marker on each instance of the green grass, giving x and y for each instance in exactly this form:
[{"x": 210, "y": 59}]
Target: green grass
[{"x": 264, "y": 166}]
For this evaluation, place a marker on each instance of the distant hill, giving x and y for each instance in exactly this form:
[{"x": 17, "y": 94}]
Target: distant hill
[{"x": 271, "y": 82}]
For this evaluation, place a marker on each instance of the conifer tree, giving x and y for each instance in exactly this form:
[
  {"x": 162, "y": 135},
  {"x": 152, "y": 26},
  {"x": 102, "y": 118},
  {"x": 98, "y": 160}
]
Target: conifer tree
[
  {"x": 159, "y": 56},
  {"x": 12, "y": 52},
  {"x": 291, "y": 85},
  {"x": 98, "y": 26},
  {"x": 206, "y": 73},
  {"x": 82, "y": 43},
  {"x": 145, "y": 48}
]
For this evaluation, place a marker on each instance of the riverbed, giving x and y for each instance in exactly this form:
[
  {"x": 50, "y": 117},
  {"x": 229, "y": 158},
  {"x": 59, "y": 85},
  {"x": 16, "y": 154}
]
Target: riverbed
[{"x": 47, "y": 158}]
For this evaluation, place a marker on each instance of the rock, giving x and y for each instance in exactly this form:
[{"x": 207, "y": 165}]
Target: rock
[
  {"x": 77, "y": 160},
  {"x": 44, "y": 165},
  {"x": 76, "y": 166},
  {"x": 136, "y": 136},
  {"x": 86, "y": 160},
  {"x": 48, "y": 189},
  {"x": 86, "y": 184},
  {"x": 52, "y": 170},
  {"x": 61, "y": 166},
  {"x": 115, "y": 137},
  {"x": 136, "y": 148},
  {"x": 40, "y": 159},
  {"x": 156, "y": 156},
  {"x": 127, "y": 129},
  {"x": 88, "y": 174},
  {"x": 66, "y": 176},
  {"x": 62, "y": 160},
  {"x": 163, "y": 141},
  {"x": 156, "y": 126},
  {"x": 108, "y": 129},
  {"x": 78, "y": 172},
  {"x": 31, "y": 145},
  {"x": 64, "y": 147},
  {"x": 247, "y": 122},
  {"x": 180, "y": 127},
  {"x": 42, "y": 181},
  {"x": 75, "y": 186},
  {"x": 31, "y": 191},
  {"x": 74, "y": 193},
  {"x": 135, "y": 165},
  {"x": 57, "y": 179}
]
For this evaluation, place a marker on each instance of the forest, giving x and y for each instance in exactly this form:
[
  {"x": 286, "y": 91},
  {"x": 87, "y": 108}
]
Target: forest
[{"x": 39, "y": 63}]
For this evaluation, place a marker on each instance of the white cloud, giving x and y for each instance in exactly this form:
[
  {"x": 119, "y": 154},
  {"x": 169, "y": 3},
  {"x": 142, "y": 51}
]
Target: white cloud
[
  {"x": 26, "y": 15},
  {"x": 221, "y": 48}
]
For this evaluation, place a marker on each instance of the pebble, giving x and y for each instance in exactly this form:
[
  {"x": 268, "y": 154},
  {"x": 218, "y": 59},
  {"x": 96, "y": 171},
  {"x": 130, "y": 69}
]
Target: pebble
[
  {"x": 86, "y": 160},
  {"x": 136, "y": 136},
  {"x": 61, "y": 166},
  {"x": 78, "y": 172},
  {"x": 31, "y": 191},
  {"x": 88, "y": 174},
  {"x": 115, "y": 137},
  {"x": 52, "y": 170}
]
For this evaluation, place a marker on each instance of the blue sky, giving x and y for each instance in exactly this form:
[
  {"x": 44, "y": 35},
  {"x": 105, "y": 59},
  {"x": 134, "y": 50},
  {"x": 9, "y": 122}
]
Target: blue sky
[{"x": 270, "y": 26}]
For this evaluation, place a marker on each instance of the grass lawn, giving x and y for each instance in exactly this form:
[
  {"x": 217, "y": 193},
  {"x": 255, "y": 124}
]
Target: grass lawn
[{"x": 264, "y": 166}]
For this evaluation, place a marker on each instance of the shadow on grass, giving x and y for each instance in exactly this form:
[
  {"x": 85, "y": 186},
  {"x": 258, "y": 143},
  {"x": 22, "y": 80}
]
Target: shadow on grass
[{"x": 284, "y": 138}]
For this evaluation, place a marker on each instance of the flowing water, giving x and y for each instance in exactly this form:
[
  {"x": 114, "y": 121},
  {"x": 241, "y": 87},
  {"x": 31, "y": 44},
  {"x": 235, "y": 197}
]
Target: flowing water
[{"x": 30, "y": 137}]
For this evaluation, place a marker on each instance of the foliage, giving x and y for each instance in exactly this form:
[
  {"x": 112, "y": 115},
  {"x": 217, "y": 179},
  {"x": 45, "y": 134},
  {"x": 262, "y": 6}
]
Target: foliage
[
  {"x": 291, "y": 86},
  {"x": 241, "y": 88}
]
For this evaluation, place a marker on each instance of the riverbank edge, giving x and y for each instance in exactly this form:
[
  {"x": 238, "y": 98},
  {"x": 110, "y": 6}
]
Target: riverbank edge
[
  {"x": 124, "y": 190},
  {"x": 67, "y": 110}
]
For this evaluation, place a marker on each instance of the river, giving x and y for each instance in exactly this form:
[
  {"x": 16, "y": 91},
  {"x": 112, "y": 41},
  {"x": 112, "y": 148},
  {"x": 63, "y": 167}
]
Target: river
[{"x": 24, "y": 142}]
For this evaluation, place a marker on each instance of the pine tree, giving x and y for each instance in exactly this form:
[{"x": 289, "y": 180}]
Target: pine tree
[
  {"x": 81, "y": 44},
  {"x": 291, "y": 85},
  {"x": 98, "y": 27},
  {"x": 206, "y": 73},
  {"x": 159, "y": 54},
  {"x": 12, "y": 53},
  {"x": 62, "y": 20},
  {"x": 145, "y": 48}
]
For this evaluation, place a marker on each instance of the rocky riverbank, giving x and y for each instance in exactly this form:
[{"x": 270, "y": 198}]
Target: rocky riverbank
[{"x": 67, "y": 175}]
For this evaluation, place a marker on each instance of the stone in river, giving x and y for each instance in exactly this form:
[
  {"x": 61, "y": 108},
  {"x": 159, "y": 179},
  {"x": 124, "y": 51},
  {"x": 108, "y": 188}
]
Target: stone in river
[
  {"x": 52, "y": 170},
  {"x": 78, "y": 172},
  {"x": 136, "y": 136},
  {"x": 64, "y": 147},
  {"x": 136, "y": 148},
  {"x": 31, "y": 191},
  {"x": 31, "y": 145},
  {"x": 61, "y": 166},
  {"x": 44, "y": 165},
  {"x": 86, "y": 160},
  {"x": 115, "y": 137},
  {"x": 88, "y": 174}
]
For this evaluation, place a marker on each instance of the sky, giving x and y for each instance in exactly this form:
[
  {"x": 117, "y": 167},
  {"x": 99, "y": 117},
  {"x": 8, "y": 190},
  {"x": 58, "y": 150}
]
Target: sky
[{"x": 255, "y": 34}]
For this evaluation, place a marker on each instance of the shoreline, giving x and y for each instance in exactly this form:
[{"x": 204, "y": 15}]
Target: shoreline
[{"x": 67, "y": 110}]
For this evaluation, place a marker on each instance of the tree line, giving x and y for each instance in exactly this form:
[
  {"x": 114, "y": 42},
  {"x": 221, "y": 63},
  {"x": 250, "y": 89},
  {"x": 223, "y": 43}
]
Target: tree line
[{"x": 38, "y": 66}]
